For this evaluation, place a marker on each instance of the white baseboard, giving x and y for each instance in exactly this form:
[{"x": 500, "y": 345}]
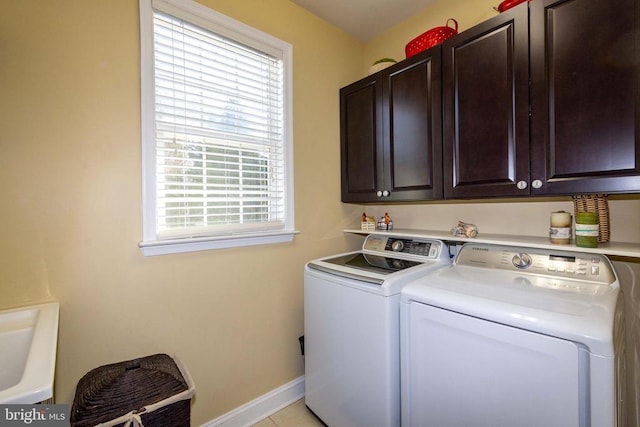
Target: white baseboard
[{"x": 260, "y": 408}]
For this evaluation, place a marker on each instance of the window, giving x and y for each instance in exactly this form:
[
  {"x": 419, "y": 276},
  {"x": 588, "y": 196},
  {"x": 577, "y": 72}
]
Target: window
[{"x": 216, "y": 131}]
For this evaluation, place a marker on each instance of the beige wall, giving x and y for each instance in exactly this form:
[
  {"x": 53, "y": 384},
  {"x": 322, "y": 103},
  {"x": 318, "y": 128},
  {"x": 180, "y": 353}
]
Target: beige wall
[
  {"x": 525, "y": 217},
  {"x": 71, "y": 216}
]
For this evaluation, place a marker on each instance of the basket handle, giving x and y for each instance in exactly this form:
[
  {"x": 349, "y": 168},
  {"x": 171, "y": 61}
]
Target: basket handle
[
  {"x": 132, "y": 364},
  {"x": 454, "y": 22}
]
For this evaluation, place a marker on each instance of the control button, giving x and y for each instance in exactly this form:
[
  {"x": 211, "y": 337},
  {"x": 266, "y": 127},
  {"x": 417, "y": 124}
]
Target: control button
[
  {"x": 521, "y": 260},
  {"x": 595, "y": 270},
  {"x": 581, "y": 271},
  {"x": 397, "y": 246},
  {"x": 552, "y": 267},
  {"x": 595, "y": 260}
]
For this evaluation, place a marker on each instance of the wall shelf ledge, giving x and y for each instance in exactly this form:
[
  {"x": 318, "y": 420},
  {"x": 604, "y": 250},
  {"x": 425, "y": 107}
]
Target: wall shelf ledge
[{"x": 620, "y": 249}]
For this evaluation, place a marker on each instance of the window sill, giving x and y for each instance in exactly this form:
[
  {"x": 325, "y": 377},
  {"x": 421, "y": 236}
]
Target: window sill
[{"x": 175, "y": 246}]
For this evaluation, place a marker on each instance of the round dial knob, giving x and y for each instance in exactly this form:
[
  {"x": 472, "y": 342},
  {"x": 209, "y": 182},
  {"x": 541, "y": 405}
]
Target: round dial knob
[
  {"x": 397, "y": 246},
  {"x": 521, "y": 260}
]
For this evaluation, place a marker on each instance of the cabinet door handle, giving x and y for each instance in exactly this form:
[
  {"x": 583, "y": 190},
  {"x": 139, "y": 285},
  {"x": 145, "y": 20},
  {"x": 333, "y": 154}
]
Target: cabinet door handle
[
  {"x": 385, "y": 193},
  {"x": 379, "y": 193},
  {"x": 521, "y": 185},
  {"x": 536, "y": 183}
]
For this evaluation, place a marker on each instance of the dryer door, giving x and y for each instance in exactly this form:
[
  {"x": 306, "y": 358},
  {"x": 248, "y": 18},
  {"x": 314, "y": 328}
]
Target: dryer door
[{"x": 459, "y": 370}]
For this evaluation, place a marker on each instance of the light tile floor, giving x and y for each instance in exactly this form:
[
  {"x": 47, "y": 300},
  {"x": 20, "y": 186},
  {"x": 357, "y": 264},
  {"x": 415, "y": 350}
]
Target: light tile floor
[{"x": 294, "y": 415}]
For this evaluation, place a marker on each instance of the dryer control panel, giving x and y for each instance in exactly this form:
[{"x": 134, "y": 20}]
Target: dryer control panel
[{"x": 594, "y": 268}]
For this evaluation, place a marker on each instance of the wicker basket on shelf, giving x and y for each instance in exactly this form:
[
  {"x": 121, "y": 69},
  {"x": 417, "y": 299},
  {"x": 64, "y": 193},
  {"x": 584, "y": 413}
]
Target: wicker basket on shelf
[
  {"x": 597, "y": 203},
  {"x": 368, "y": 226}
]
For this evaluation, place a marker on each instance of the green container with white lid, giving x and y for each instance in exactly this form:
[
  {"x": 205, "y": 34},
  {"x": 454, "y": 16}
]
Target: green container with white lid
[{"x": 587, "y": 229}]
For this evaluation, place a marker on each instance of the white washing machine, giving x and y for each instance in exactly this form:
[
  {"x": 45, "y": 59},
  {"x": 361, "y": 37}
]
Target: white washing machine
[
  {"x": 352, "y": 328},
  {"x": 513, "y": 336}
]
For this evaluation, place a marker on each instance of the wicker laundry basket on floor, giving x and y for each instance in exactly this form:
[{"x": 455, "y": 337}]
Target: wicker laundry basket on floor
[{"x": 151, "y": 391}]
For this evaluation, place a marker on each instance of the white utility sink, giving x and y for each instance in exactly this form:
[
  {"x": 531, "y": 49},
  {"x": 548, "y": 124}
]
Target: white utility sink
[{"x": 28, "y": 341}]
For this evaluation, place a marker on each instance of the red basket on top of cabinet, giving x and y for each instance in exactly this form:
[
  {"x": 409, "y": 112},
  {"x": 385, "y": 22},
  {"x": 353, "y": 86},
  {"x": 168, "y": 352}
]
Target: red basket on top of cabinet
[
  {"x": 431, "y": 38},
  {"x": 508, "y": 4}
]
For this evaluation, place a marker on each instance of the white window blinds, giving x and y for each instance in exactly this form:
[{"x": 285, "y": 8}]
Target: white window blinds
[{"x": 219, "y": 130}]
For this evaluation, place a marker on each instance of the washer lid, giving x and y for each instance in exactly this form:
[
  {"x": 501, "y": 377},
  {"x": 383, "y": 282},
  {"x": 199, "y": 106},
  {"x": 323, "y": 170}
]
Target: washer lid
[
  {"x": 553, "y": 303},
  {"x": 372, "y": 263},
  {"x": 386, "y": 263}
]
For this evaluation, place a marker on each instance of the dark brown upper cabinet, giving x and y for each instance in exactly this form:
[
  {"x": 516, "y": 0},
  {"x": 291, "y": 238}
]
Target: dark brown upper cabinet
[
  {"x": 543, "y": 99},
  {"x": 391, "y": 133},
  {"x": 486, "y": 108},
  {"x": 584, "y": 96}
]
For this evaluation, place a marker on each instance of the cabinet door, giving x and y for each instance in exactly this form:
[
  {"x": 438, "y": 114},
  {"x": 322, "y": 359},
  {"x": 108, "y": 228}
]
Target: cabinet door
[
  {"x": 361, "y": 139},
  {"x": 413, "y": 154},
  {"x": 584, "y": 88},
  {"x": 486, "y": 108},
  {"x": 391, "y": 133}
]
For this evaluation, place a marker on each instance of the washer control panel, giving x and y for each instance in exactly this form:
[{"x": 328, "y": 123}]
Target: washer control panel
[
  {"x": 409, "y": 247},
  {"x": 593, "y": 268}
]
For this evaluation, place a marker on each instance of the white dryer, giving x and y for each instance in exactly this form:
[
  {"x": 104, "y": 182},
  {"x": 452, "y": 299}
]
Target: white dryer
[
  {"x": 352, "y": 328},
  {"x": 512, "y": 336}
]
